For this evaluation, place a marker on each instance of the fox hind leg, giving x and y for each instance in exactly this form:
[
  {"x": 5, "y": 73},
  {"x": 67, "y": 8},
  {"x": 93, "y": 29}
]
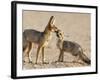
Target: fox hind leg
[
  {"x": 43, "y": 54},
  {"x": 29, "y": 51},
  {"x": 26, "y": 52}
]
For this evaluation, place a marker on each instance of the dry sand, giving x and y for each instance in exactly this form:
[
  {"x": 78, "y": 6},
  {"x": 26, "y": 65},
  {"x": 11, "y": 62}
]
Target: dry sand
[{"x": 76, "y": 27}]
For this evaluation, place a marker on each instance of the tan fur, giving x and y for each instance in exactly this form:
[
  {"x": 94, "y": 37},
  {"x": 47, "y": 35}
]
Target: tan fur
[
  {"x": 69, "y": 46},
  {"x": 40, "y": 38}
]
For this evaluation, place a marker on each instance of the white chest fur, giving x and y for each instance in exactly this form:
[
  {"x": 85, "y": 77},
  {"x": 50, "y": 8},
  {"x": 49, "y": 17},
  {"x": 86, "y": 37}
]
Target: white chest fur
[{"x": 48, "y": 39}]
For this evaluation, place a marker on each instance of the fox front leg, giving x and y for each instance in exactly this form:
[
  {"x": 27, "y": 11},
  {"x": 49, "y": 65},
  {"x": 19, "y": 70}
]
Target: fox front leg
[
  {"x": 61, "y": 56},
  {"x": 43, "y": 58},
  {"x": 43, "y": 55}
]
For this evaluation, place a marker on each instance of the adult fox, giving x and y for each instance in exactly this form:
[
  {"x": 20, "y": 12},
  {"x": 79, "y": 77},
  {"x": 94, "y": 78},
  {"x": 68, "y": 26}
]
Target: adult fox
[
  {"x": 71, "y": 47},
  {"x": 31, "y": 37}
]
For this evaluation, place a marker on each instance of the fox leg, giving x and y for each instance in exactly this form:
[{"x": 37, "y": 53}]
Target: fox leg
[
  {"x": 43, "y": 59},
  {"x": 38, "y": 51},
  {"x": 31, "y": 47},
  {"x": 77, "y": 57},
  {"x": 62, "y": 59},
  {"x": 43, "y": 55},
  {"x": 59, "y": 59},
  {"x": 61, "y": 56},
  {"x": 29, "y": 51},
  {"x": 26, "y": 53},
  {"x": 25, "y": 49}
]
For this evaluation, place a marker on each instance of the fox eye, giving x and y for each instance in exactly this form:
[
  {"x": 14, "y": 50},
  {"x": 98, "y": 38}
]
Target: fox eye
[{"x": 59, "y": 33}]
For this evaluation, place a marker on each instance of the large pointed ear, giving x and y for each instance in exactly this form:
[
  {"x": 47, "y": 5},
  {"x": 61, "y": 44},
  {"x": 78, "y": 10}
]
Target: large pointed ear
[{"x": 51, "y": 21}]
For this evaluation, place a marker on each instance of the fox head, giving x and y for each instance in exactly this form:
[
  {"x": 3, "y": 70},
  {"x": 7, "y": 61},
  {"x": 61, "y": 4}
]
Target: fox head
[
  {"x": 50, "y": 26},
  {"x": 60, "y": 34}
]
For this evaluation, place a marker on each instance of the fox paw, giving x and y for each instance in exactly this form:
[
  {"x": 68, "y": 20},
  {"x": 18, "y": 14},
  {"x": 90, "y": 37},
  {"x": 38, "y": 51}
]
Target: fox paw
[{"x": 26, "y": 59}]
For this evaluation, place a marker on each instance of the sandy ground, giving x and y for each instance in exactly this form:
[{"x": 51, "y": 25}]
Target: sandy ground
[{"x": 76, "y": 27}]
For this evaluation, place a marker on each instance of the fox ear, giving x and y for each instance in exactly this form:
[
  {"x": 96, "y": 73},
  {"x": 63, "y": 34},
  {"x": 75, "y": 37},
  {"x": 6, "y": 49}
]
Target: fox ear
[{"x": 51, "y": 21}]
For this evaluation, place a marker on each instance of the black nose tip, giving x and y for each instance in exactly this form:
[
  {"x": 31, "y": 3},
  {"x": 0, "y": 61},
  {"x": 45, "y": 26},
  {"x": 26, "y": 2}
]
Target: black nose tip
[
  {"x": 56, "y": 31},
  {"x": 57, "y": 35}
]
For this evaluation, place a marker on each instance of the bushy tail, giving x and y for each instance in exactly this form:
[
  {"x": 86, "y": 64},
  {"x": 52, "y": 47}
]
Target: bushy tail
[{"x": 85, "y": 58}]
